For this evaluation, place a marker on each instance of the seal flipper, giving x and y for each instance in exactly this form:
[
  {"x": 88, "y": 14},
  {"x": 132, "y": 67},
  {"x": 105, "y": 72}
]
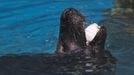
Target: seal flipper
[
  {"x": 59, "y": 49},
  {"x": 98, "y": 43}
]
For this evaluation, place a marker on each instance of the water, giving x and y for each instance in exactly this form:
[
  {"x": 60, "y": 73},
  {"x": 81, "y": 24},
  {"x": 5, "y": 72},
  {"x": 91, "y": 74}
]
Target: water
[
  {"x": 32, "y": 26},
  {"x": 120, "y": 42}
]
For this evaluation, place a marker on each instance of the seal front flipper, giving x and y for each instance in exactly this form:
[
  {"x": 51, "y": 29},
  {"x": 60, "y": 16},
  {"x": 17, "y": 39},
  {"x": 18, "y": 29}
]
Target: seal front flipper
[
  {"x": 96, "y": 36},
  {"x": 59, "y": 49}
]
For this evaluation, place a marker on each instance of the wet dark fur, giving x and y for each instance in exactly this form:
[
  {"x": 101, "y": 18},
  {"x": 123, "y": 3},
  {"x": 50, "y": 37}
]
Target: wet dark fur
[
  {"x": 72, "y": 35},
  {"x": 72, "y": 38}
]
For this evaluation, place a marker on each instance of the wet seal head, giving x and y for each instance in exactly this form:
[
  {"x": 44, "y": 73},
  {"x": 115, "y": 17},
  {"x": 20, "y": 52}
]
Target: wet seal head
[
  {"x": 72, "y": 34},
  {"x": 73, "y": 37}
]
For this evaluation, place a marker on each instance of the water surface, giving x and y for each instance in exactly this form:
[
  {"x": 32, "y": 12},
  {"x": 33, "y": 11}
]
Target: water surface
[{"x": 32, "y": 26}]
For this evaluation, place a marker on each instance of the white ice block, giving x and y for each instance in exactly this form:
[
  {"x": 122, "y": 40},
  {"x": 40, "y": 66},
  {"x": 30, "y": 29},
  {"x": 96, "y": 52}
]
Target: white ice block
[{"x": 91, "y": 32}]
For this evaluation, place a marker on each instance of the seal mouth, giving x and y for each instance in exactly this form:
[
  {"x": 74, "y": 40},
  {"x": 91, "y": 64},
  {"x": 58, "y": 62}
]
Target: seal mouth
[{"x": 91, "y": 31}]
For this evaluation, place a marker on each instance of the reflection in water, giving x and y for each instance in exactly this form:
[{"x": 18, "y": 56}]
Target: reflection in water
[
  {"x": 49, "y": 64},
  {"x": 120, "y": 42}
]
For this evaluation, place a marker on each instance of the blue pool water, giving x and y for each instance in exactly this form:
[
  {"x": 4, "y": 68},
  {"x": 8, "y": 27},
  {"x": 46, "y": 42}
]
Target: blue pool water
[{"x": 32, "y": 26}]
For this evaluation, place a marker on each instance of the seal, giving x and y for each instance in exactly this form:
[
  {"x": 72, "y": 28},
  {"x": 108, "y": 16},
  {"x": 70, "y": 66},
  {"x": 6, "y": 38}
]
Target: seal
[
  {"x": 72, "y": 34},
  {"x": 75, "y": 37}
]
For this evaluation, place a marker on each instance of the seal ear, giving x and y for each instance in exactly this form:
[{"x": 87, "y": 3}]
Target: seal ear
[{"x": 72, "y": 34}]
